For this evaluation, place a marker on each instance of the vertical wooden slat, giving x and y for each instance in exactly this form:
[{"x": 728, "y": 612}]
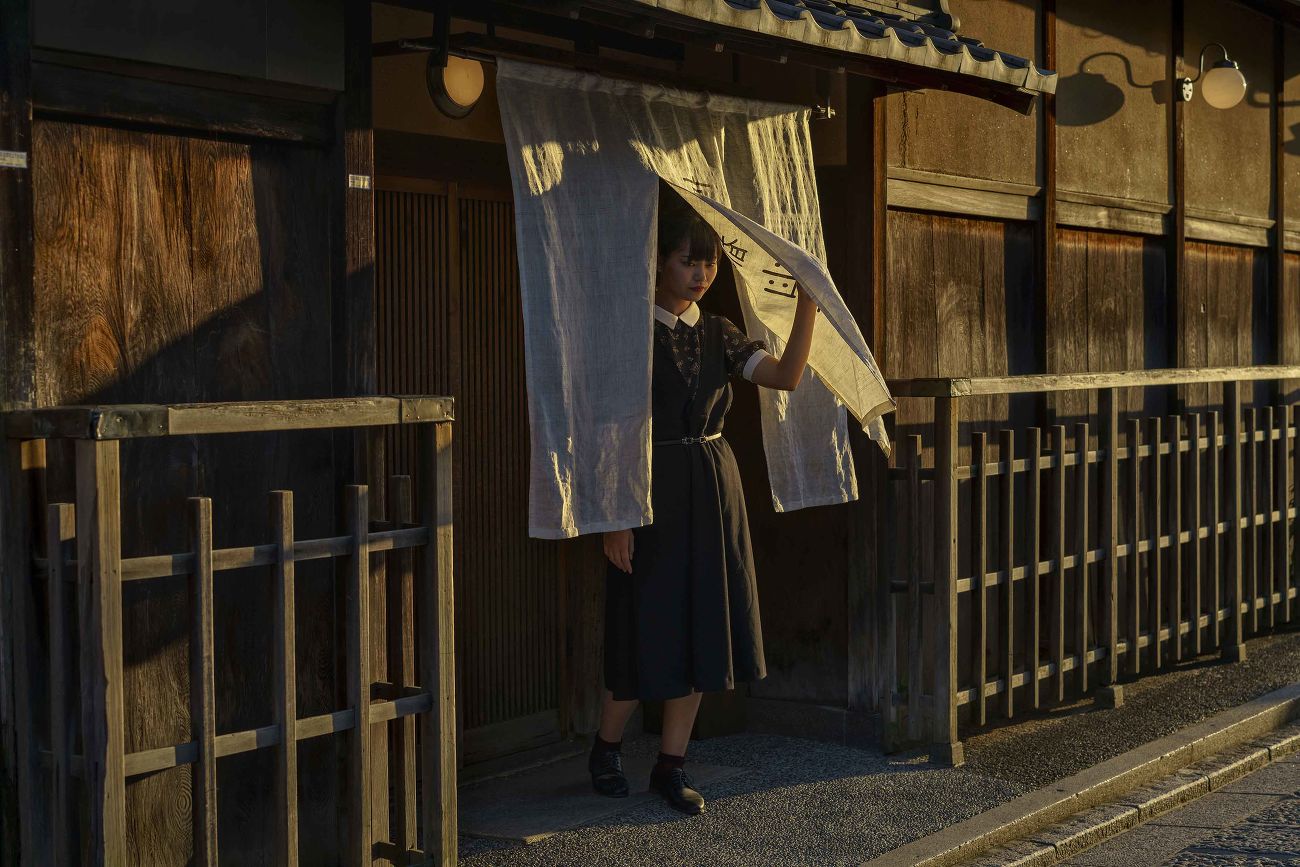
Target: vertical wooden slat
[
  {"x": 360, "y": 806},
  {"x": 1008, "y": 539},
  {"x": 1033, "y": 513},
  {"x": 1215, "y": 558},
  {"x": 1155, "y": 497},
  {"x": 946, "y": 417},
  {"x": 1282, "y": 551},
  {"x": 1108, "y": 410},
  {"x": 401, "y": 666},
  {"x": 1081, "y": 552},
  {"x": 1194, "y": 523},
  {"x": 1058, "y": 554},
  {"x": 979, "y": 512},
  {"x": 437, "y": 648},
  {"x": 99, "y": 558},
  {"x": 1175, "y": 579},
  {"x": 1267, "y": 531},
  {"x": 914, "y": 649},
  {"x": 285, "y": 676},
  {"x": 203, "y": 714},
  {"x": 1234, "y": 647},
  {"x": 60, "y": 531},
  {"x": 1250, "y": 508},
  {"x": 1135, "y": 537}
]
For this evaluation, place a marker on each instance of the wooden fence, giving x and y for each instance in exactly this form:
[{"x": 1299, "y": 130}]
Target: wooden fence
[
  {"x": 1056, "y": 562},
  {"x": 82, "y": 555}
]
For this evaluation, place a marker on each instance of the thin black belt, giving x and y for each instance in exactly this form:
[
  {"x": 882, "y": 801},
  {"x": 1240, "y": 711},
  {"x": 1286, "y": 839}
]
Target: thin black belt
[{"x": 687, "y": 441}]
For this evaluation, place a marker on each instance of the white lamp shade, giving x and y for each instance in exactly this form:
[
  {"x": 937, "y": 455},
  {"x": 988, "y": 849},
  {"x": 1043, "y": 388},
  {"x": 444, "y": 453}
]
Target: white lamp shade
[
  {"x": 463, "y": 81},
  {"x": 1224, "y": 86}
]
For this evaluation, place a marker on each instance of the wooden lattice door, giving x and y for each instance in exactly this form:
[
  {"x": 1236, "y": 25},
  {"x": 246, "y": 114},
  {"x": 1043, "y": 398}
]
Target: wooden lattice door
[{"x": 450, "y": 320}]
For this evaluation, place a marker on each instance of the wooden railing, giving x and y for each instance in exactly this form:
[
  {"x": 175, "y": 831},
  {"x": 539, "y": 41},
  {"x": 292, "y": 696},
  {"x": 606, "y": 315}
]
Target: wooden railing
[
  {"x": 1059, "y": 561},
  {"x": 82, "y": 555}
]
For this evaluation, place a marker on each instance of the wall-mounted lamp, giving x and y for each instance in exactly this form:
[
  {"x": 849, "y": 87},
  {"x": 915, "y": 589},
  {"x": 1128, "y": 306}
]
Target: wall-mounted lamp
[
  {"x": 1224, "y": 85},
  {"x": 455, "y": 83}
]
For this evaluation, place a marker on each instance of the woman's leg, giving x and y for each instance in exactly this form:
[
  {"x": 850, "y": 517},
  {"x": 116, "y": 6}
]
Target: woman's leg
[
  {"x": 614, "y": 715},
  {"x": 679, "y": 719}
]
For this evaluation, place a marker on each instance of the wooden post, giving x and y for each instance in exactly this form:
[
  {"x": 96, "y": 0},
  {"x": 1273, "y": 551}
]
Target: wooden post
[
  {"x": 1135, "y": 539},
  {"x": 1282, "y": 547},
  {"x": 285, "y": 680},
  {"x": 979, "y": 526},
  {"x": 1155, "y": 499},
  {"x": 203, "y": 714},
  {"x": 360, "y": 807},
  {"x": 1175, "y": 601},
  {"x": 401, "y": 667},
  {"x": 947, "y": 748},
  {"x": 99, "y": 558},
  {"x": 1234, "y": 648},
  {"x": 1216, "y": 538},
  {"x": 1058, "y": 554},
  {"x": 1112, "y": 693},
  {"x": 436, "y": 622},
  {"x": 1194, "y": 521},
  {"x": 915, "y": 652},
  {"x": 1250, "y": 509},
  {"x": 1007, "y": 529},
  {"x": 60, "y": 532},
  {"x": 1082, "y": 595},
  {"x": 1033, "y": 511}
]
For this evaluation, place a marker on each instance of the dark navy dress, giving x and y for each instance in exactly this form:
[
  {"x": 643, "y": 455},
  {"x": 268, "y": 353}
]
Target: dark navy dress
[{"x": 687, "y": 617}]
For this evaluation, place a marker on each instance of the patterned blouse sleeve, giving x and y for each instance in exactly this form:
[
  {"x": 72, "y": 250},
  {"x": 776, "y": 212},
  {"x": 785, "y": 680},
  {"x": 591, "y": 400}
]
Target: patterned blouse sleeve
[{"x": 739, "y": 349}]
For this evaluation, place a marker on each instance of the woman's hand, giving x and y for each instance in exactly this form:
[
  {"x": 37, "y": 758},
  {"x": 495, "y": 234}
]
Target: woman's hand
[
  {"x": 618, "y": 548},
  {"x": 784, "y": 373}
]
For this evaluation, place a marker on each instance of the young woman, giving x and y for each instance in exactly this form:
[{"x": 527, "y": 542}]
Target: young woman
[{"x": 681, "y": 605}]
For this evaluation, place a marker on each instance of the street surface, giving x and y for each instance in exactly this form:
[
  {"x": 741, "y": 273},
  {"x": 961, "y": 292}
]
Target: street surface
[{"x": 1254, "y": 822}]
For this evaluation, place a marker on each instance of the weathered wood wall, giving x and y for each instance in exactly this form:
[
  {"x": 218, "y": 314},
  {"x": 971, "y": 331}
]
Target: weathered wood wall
[{"x": 173, "y": 269}]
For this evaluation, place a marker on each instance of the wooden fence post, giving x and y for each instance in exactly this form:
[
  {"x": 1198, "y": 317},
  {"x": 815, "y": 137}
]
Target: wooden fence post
[
  {"x": 60, "y": 532},
  {"x": 359, "y": 680},
  {"x": 401, "y": 667},
  {"x": 99, "y": 557},
  {"x": 1112, "y": 693},
  {"x": 285, "y": 676},
  {"x": 203, "y": 714},
  {"x": 1234, "y": 648},
  {"x": 947, "y": 748},
  {"x": 437, "y": 647}
]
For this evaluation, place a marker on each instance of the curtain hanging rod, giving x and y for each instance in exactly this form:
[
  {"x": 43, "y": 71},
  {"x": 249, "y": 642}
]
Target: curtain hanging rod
[{"x": 487, "y": 49}]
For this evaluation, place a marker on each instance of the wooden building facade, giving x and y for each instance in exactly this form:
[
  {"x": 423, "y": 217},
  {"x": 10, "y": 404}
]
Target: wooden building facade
[{"x": 258, "y": 201}]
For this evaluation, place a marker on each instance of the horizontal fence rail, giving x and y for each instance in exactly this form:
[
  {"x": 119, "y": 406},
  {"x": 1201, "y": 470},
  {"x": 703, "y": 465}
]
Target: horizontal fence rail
[
  {"x": 81, "y": 554},
  {"x": 1036, "y": 564}
]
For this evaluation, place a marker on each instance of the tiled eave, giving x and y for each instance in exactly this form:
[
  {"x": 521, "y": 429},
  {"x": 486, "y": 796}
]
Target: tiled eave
[{"x": 858, "y": 32}]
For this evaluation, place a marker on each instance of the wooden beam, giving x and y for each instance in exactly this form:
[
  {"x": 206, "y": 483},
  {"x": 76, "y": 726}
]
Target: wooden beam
[
  {"x": 17, "y": 371},
  {"x": 1176, "y": 246},
  {"x": 1283, "y": 310},
  {"x": 989, "y": 385},
  {"x": 1046, "y": 233}
]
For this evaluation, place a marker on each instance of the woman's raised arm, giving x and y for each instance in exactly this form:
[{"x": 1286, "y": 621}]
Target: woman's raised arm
[{"x": 785, "y": 372}]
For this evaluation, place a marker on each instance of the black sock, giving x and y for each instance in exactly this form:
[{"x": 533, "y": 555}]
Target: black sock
[
  {"x": 667, "y": 762},
  {"x": 603, "y": 746}
]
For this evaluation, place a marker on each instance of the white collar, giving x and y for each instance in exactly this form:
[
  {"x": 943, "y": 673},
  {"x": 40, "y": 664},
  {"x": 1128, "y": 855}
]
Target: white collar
[{"x": 691, "y": 315}]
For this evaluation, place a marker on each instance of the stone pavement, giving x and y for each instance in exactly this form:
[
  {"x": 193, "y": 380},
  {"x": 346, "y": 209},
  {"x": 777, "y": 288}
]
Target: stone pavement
[{"x": 1254, "y": 821}]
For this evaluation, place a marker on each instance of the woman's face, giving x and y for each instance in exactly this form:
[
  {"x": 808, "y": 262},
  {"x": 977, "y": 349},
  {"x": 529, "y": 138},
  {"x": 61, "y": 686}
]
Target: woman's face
[{"x": 685, "y": 278}]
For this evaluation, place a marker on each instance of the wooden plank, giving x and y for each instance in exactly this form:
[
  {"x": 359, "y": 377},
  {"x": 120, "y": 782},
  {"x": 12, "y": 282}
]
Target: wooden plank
[
  {"x": 1155, "y": 499},
  {"x": 1058, "y": 555},
  {"x": 203, "y": 713},
  {"x": 401, "y": 668},
  {"x": 979, "y": 513},
  {"x": 285, "y": 676},
  {"x": 1081, "y": 558},
  {"x": 1007, "y": 528},
  {"x": 1033, "y": 533},
  {"x": 1234, "y": 647},
  {"x": 360, "y": 806},
  {"x": 1029, "y": 384},
  {"x": 1134, "y": 538},
  {"x": 99, "y": 556},
  {"x": 60, "y": 535},
  {"x": 1267, "y": 530},
  {"x": 60, "y": 90},
  {"x": 1175, "y": 506},
  {"x": 1195, "y": 499},
  {"x": 1108, "y": 413},
  {"x": 437, "y": 649}
]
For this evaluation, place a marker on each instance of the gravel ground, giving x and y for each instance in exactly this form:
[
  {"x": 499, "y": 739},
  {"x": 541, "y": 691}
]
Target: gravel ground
[{"x": 804, "y": 802}]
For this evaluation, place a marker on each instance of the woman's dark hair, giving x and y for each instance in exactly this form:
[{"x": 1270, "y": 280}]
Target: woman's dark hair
[{"x": 679, "y": 222}]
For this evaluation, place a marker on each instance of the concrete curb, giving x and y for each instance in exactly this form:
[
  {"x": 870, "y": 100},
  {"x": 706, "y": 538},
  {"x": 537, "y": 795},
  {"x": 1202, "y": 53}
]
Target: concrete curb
[{"x": 1117, "y": 784}]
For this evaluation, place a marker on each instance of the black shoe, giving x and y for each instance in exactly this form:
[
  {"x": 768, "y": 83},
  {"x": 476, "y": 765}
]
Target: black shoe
[
  {"x": 607, "y": 776},
  {"x": 676, "y": 787}
]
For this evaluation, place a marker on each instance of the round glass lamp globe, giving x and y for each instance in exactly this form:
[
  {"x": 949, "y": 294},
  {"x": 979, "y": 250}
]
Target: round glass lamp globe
[
  {"x": 1224, "y": 85},
  {"x": 463, "y": 81}
]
